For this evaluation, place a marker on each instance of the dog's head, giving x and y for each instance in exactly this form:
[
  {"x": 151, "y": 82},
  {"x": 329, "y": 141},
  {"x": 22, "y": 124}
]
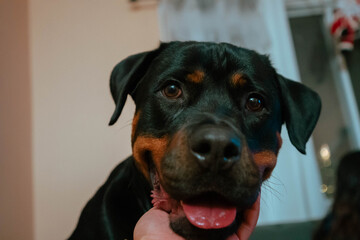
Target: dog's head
[{"x": 206, "y": 131}]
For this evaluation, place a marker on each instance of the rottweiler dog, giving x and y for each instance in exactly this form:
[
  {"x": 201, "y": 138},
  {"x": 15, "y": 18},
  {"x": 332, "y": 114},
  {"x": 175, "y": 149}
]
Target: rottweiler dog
[{"x": 205, "y": 135}]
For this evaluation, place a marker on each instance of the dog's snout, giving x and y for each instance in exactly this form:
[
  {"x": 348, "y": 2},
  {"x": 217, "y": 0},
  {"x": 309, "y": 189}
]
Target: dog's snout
[{"x": 215, "y": 147}]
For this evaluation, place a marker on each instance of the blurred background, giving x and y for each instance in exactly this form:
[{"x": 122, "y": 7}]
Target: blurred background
[{"x": 56, "y": 148}]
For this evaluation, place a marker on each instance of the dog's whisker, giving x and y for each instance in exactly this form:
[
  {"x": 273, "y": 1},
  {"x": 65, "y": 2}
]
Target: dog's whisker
[
  {"x": 123, "y": 126},
  {"x": 272, "y": 191},
  {"x": 273, "y": 188}
]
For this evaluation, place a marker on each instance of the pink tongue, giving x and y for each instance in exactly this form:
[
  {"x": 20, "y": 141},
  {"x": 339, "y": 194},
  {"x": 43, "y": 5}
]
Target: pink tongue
[{"x": 209, "y": 215}]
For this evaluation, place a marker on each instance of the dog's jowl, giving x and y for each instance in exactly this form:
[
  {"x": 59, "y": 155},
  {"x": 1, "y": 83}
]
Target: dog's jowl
[{"x": 206, "y": 134}]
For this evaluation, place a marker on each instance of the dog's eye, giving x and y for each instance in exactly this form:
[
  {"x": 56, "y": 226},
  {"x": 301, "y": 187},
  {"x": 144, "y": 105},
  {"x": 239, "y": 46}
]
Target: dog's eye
[
  {"x": 255, "y": 103},
  {"x": 172, "y": 91}
]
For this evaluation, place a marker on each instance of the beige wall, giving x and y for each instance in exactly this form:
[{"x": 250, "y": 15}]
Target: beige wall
[
  {"x": 73, "y": 47},
  {"x": 16, "y": 215}
]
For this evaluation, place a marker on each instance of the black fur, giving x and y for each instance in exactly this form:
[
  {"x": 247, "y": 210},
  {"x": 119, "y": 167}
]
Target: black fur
[{"x": 114, "y": 210}]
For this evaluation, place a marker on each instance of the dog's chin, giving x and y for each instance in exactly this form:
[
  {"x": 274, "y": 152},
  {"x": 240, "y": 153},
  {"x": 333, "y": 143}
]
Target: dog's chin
[
  {"x": 182, "y": 226},
  {"x": 204, "y": 217}
]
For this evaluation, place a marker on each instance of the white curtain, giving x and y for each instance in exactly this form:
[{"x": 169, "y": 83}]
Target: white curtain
[
  {"x": 214, "y": 20},
  {"x": 292, "y": 194}
]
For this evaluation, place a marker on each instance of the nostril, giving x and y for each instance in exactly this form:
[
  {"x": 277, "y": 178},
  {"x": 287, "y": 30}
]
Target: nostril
[
  {"x": 203, "y": 148},
  {"x": 231, "y": 151},
  {"x": 216, "y": 148}
]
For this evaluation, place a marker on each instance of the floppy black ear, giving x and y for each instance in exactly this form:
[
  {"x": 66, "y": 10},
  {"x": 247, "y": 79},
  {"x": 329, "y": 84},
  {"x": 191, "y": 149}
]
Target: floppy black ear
[
  {"x": 125, "y": 77},
  {"x": 301, "y": 110}
]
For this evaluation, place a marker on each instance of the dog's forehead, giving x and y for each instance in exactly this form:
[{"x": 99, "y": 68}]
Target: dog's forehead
[{"x": 199, "y": 59}]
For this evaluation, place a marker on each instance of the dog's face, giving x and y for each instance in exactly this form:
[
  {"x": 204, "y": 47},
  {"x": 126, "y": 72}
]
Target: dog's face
[{"x": 206, "y": 131}]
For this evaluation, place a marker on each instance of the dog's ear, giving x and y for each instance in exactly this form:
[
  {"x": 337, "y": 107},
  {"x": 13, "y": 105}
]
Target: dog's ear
[
  {"x": 301, "y": 110},
  {"x": 126, "y": 75}
]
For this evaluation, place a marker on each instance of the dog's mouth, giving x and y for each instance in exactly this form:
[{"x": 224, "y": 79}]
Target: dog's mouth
[
  {"x": 209, "y": 211},
  {"x": 206, "y": 212}
]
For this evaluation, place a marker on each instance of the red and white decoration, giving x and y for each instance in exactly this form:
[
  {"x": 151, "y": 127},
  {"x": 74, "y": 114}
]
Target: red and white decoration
[{"x": 346, "y": 23}]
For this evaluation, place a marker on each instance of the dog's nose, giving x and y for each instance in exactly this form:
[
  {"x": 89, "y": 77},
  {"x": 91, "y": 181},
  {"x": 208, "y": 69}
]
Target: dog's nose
[{"x": 215, "y": 147}]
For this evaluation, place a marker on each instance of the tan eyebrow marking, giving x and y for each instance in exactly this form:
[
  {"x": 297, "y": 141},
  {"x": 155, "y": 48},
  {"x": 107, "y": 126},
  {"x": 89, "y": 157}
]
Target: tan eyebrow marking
[
  {"x": 196, "y": 77},
  {"x": 238, "y": 80}
]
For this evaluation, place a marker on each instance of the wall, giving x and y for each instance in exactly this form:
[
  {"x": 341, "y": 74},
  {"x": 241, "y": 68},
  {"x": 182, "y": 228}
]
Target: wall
[
  {"x": 74, "y": 46},
  {"x": 16, "y": 212}
]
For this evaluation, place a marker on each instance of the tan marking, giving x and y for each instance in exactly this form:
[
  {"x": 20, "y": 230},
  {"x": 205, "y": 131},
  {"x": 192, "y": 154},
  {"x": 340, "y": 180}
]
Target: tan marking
[
  {"x": 155, "y": 146},
  {"x": 238, "y": 80},
  {"x": 134, "y": 126},
  {"x": 196, "y": 77},
  {"x": 280, "y": 142},
  {"x": 266, "y": 160}
]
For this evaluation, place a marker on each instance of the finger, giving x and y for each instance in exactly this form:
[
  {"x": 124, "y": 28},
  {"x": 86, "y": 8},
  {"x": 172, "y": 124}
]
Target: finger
[
  {"x": 154, "y": 225},
  {"x": 251, "y": 217}
]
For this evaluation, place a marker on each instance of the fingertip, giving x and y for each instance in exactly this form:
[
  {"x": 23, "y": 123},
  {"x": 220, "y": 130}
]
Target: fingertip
[{"x": 154, "y": 225}]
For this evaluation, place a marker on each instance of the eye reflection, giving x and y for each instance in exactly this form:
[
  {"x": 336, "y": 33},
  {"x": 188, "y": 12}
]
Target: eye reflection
[{"x": 172, "y": 91}]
